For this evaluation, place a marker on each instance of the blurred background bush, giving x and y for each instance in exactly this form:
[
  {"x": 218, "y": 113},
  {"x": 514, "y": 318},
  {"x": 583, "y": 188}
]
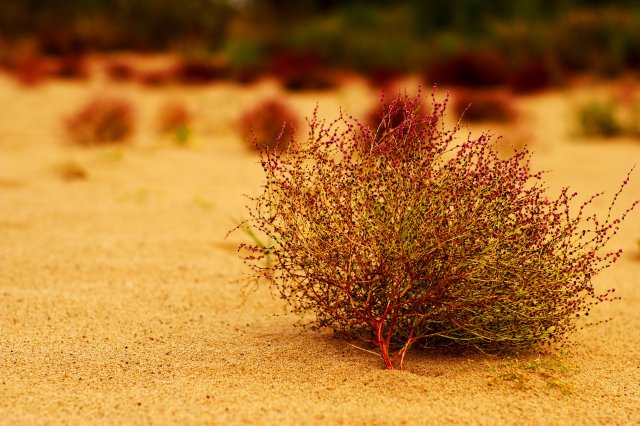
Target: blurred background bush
[{"x": 527, "y": 45}]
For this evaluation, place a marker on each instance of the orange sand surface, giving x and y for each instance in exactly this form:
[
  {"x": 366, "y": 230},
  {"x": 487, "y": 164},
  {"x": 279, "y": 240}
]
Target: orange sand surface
[{"x": 119, "y": 302}]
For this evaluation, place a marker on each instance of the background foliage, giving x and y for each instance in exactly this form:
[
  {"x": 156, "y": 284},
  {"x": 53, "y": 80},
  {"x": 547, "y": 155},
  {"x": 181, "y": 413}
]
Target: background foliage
[{"x": 406, "y": 35}]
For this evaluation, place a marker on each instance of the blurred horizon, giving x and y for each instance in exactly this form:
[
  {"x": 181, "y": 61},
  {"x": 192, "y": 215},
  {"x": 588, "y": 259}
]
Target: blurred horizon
[{"x": 512, "y": 40}]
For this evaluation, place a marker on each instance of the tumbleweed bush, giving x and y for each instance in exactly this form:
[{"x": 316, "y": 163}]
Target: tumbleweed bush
[{"x": 424, "y": 237}]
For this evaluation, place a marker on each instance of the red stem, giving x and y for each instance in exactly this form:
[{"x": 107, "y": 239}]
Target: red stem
[{"x": 383, "y": 344}]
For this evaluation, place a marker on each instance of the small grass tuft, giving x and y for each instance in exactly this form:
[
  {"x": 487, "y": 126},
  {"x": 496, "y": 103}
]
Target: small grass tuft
[
  {"x": 599, "y": 118},
  {"x": 547, "y": 372},
  {"x": 613, "y": 116},
  {"x": 71, "y": 170}
]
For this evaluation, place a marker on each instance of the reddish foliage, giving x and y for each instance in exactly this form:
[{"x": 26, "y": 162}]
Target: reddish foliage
[
  {"x": 383, "y": 76},
  {"x": 302, "y": 71},
  {"x": 175, "y": 119},
  {"x": 427, "y": 239},
  {"x": 485, "y": 105},
  {"x": 532, "y": 77},
  {"x": 173, "y": 115},
  {"x": 31, "y": 70},
  {"x": 120, "y": 70},
  {"x": 101, "y": 120},
  {"x": 269, "y": 126},
  {"x": 199, "y": 71},
  {"x": 390, "y": 117},
  {"x": 471, "y": 68},
  {"x": 157, "y": 77},
  {"x": 72, "y": 67}
]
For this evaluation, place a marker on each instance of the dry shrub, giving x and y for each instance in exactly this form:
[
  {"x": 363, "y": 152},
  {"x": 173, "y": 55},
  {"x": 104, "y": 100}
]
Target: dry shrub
[
  {"x": 268, "y": 126},
  {"x": 383, "y": 76},
  {"x": 102, "y": 120},
  {"x": 158, "y": 77},
  {"x": 485, "y": 105},
  {"x": 534, "y": 76},
  {"x": 429, "y": 239},
  {"x": 599, "y": 118},
  {"x": 120, "y": 70},
  {"x": 72, "y": 67},
  {"x": 199, "y": 71},
  {"x": 471, "y": 68},
  {"x": 391, "y": 116},
  {"x": 610, "y": 117},
  {"x": 302, "y": 71},
  {"x": 176, "y": 120},
  {"x": 31, "y": 70}
]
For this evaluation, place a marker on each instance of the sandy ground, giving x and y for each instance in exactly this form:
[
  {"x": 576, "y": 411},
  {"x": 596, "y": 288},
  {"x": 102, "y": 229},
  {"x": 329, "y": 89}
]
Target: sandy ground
[{"x": 119, "y": 305}]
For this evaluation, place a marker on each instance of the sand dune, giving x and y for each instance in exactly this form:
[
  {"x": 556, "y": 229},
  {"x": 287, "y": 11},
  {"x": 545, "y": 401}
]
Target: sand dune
[{"x": 119, "y": 302}]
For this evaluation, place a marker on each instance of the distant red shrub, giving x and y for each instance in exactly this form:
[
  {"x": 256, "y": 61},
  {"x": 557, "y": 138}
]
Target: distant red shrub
[
  {"x": 30, "y": 70},
  {"x": 199, "y": 71},
  {"x": 382, "y": 76},
  {"x": 302, "y": 71},
  {"x": 470, "y": 68},
  {"x": 102, "y": 120},
  {"x": 534, "y": 76},
  {"x": 268, "y": 126},
  {"x": 72, "y": 67},
  {"x": 158, "y": 76},
  {"x": 120, "y": 71},
  {"x": 175, "y": 120},
  {"x": 484, "y": 105}
]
